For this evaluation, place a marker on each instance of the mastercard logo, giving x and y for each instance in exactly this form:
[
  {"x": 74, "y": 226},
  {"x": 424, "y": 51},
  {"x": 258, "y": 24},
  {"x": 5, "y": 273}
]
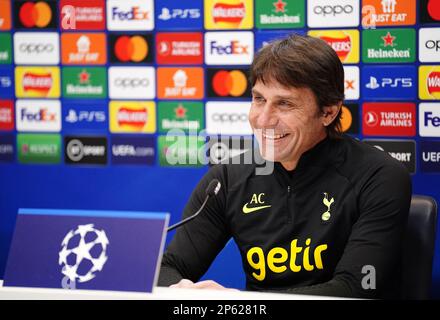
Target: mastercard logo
[
  {"x": 346, "y": 119},
  {"x": 35, "y": 14},
  {"x": 229, "y": 83},
  {"x": 131, "y": 49}
]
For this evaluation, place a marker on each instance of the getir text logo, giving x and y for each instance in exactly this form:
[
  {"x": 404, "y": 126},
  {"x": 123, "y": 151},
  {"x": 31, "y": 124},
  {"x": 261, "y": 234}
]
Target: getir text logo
[
  {"x": 132, "y": 116},
  {"x": 131, "y": 15},
  {"x": 344, "y": 42},
  {"x": 6, "y": 115},
  {"x": 35, "y": 14},
  {"x": 429, "y": 119},
  {"x": 83, "y": 48},
  {"x": 429, "y": 82},
  {"x": 37, "y": 82},
  {"x": 388, "y": 13},
  {"x": 180, "y": 83},
  {"x": 388, "y": 45},
  {"x": 38, "y": 115},
  {"x": 389, "y": 119},
  {"x": 82, "y": 15},
  {"x": 132, "y": 48},
  {"x": 5, "y": 15},
  {"x": 228, "y": 83},
  {"x": 228, "y": 14},
  {"x": 280, "y": 260},
  {"x": 179, "y": 48},
  {"x": 229, "y": 48}
]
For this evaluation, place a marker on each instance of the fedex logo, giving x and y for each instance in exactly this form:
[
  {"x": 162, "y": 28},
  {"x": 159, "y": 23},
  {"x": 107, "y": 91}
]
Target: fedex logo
[
  {"x": 135, "y": 13},
  {"x": 130, "y": 15},
  {"x": 233, "y": 48},
  {"x": 38, "y": 115},
  {"x": 389, "y": 82},
  {"x": 429, "y": 119},
  {"x": 229, "y": 48}
]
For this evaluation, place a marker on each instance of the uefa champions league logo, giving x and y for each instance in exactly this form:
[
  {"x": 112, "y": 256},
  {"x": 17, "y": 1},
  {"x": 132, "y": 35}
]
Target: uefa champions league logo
[{"x": 83, "y": 254}]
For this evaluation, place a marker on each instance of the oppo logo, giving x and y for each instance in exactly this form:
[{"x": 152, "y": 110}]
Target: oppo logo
[
  {"x": 431, "y": 44},
  {"x": 230, "y": 117},
  {"x": 131, "y": 82},
  {"x": 36, "y": 47},
  {"x": 332, "y": 10}
]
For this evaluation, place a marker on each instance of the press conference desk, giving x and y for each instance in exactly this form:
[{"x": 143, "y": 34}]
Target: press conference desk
[{"x": 160, "y": 293}]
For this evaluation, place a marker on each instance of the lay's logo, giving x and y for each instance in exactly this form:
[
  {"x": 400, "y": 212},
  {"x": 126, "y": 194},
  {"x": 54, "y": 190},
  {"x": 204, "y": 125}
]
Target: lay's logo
[
  {"x": 35, "y": 82},
  {"x": 344, "y": 42},
  {"x": 132, "y": 117},
  {"x": 429, "y": 82},
  {"x": 228, "y": 14}
]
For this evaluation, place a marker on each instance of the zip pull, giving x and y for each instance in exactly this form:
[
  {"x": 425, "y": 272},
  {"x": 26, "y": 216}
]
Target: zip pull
[{"x": 288, "y": 190}]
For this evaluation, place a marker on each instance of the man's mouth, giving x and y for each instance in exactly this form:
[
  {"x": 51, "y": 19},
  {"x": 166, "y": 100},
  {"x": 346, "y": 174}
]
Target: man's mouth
[{"x": 274, "y": 137}]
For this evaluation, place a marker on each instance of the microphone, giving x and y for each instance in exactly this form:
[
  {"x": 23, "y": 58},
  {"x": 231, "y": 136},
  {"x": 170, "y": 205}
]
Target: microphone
[{"x": 212, "y": 190}]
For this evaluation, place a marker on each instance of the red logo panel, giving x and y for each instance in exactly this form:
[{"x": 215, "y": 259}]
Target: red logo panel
[
  {"x": 389, "y": 119},
  {"x": 179, "y": 48},
  {"x": 82, "y": 15},
  {"x": 6, "y": 115}
]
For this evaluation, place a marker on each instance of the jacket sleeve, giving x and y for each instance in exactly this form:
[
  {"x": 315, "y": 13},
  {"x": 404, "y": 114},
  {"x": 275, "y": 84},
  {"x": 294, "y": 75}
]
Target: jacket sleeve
[
  {"x": 372, "y": 257},
  {"x": 196, "y": 244}
]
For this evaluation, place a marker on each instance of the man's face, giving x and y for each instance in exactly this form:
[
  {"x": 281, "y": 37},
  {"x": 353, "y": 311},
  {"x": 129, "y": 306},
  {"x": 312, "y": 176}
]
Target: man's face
[{"x": 286, "y": 120}]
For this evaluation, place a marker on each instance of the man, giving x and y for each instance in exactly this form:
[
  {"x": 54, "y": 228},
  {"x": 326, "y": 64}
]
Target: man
[{"x": 328, "y": 220}]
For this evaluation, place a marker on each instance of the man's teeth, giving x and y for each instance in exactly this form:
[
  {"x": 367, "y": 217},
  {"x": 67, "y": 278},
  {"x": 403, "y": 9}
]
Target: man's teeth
[{"x": 274, "y": 137}]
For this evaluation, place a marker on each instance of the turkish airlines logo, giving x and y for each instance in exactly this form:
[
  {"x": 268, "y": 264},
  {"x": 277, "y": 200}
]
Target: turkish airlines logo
[
  {"x": 134, "y": 48},
  {"x": 341, "y": 13},
  {"x": 131, "y": 117},
  {"x": 184, "y": 83},
  {"x": 389, "y": 119},
  {"x": 83, "y": 48},
  {"x": 6, "y": 115},
  {"x": 130, "y": 15},
  {"x": 132, "y": 83},
  {"x": 229, "y": 48},
  {"x": 179, "y": 48},
  {"x": 228, "y": 83},
  {"x": 37, "y": 48},
  {"x": 38, "y": 115},
  {"x": 87, "y": 15},
  {"x": 39, "y": 14}
]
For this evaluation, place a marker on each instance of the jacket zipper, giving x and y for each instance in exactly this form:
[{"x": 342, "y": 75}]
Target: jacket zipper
[{"x": 289, "y": 215}]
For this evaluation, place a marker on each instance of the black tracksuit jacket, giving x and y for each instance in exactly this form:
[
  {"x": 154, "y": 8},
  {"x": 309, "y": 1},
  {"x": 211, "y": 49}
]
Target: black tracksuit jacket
[{"x": 333, "y": 226}]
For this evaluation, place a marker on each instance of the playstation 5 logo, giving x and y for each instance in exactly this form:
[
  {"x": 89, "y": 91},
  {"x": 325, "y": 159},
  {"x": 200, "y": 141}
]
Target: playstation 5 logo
[
  {"x": 168, "y": 14},
  {"x": 372, "y": 84},
  {"x": 390, "y": 82}
]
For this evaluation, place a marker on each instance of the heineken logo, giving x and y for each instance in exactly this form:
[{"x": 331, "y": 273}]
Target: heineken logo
[
  {"x": 186, "y": 116},
  {"x": 279, "y": 13},
  {"x": 80, "y": 82},
  {"x": 393, "y": 45}
]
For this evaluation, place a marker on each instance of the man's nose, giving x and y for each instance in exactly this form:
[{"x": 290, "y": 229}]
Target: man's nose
[{"x": 266, "y": 117}]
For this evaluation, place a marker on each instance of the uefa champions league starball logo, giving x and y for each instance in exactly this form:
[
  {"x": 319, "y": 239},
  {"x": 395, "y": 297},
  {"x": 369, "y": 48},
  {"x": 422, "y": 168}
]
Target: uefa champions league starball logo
[{"x": 83, "y": 253}]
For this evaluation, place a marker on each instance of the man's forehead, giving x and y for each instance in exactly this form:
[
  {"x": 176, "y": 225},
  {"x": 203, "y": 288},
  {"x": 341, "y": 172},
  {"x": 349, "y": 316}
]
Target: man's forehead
[{"x": 274, "y": 88}]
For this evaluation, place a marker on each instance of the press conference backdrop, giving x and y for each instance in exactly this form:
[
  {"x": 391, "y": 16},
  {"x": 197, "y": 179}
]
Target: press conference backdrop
[{"x": 90, "y": 90}]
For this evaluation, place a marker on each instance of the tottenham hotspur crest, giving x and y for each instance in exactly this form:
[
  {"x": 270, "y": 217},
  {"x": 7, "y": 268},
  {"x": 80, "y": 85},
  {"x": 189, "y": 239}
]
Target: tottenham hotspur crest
[{"x": 326, "y": 215}]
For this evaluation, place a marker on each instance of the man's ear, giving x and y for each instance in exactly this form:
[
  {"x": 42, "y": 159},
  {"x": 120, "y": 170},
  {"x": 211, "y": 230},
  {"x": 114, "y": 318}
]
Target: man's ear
[{"x": 329, "y": 113}]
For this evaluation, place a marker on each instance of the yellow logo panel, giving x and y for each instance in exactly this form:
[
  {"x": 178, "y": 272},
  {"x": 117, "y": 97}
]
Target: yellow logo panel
[
  {"x": 133, "y": 116},
  {"x": 229, "y": 14},
  {"x": 344, "y": 42},
  {"x": 429, "y": 82},
  {"x": 37, "y": 82}
]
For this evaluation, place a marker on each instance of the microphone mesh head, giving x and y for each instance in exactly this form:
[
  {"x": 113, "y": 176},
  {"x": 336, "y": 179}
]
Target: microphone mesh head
[{"x": 213, "y": 187}]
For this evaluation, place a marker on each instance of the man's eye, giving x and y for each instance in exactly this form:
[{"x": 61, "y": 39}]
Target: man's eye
[
  {"x": 258, "y": 99},
  {"x": 284, "y": 103}
]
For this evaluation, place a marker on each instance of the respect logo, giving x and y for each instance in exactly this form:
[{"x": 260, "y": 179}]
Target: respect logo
[{"x": 37, "y": 82}]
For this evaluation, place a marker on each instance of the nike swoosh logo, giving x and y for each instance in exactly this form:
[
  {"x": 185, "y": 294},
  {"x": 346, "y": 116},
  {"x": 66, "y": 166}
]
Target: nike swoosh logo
[{"x": 249, "y": 210}]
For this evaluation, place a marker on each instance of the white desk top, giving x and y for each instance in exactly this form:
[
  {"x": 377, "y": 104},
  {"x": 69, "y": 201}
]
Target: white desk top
[{"x": 159, "y": 293}]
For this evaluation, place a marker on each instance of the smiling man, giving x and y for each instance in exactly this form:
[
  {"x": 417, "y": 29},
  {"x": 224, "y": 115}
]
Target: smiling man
[{"x": 328, "y": 220}]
